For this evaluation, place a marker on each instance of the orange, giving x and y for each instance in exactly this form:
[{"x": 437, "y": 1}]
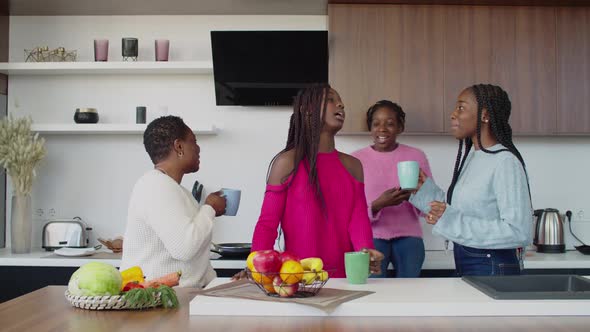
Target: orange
[
  {"x": 249, "y": 261},
  {"x": 270, "y": 288},
  {"x": 291, "y": 272},
  {"x": 261, "y": 278}
]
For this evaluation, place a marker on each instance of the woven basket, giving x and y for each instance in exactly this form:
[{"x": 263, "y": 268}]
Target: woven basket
[{"x": 115, "y": 302}]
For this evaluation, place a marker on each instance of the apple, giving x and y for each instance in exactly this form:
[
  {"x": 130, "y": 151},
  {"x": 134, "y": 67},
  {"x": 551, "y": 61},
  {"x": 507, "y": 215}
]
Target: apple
[
  {"x": 283, "y": 289},
  {"x": 287, "y": 256},
  {"x": 267, "y": 261}
]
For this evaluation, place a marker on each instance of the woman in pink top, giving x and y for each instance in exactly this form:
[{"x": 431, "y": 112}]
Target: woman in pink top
[
  {"x": 314, "y": 192},
  {"x": 396, "y": 226}
]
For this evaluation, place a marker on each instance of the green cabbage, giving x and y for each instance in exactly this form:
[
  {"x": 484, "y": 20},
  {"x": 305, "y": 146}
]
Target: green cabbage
[{"x": 95, "y": 279}]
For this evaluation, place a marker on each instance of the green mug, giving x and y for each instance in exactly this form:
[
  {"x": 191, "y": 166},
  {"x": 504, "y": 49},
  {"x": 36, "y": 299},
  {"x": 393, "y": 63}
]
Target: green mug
[{"x": 356, "y": 265}]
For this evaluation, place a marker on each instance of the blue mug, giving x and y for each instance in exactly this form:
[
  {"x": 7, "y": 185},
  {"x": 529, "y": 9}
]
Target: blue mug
[
  {"x": 408, "y": 172},
  {"x": 232, "y": 198}
]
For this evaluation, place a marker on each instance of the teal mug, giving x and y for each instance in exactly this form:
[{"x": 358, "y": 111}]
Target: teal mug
[
  {"x": 356, "y": 265},
  {"x": 408, "y": 173}
]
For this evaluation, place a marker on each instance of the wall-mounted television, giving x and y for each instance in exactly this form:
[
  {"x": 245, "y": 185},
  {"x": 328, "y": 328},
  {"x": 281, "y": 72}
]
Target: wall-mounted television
[{"x": 267, "y": 67}]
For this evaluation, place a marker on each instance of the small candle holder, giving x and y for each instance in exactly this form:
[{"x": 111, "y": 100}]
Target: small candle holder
[
  {"x": 140, "y": 114},
  {"x": 162, "y": 49},
  {"x": 130, "y": 49},
  {"x": 101, "y": 50}
]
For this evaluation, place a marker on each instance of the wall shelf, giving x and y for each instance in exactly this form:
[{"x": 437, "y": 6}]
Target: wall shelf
[
  {"x": 106, "y": 68},
  {"x": 106, "y": 129}
]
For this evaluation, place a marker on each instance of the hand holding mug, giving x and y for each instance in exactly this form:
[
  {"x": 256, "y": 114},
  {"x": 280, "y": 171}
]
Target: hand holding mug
[
  {"x": 217, "y": 201},
  {"x": 390, "y": 197},
  {"x": 375, "y": 260},
  {"x": 232, "y": 199}
]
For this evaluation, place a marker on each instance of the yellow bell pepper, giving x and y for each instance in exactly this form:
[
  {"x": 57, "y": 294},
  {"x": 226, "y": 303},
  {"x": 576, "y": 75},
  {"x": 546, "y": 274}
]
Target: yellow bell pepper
[{"x": 132, "y": 274}]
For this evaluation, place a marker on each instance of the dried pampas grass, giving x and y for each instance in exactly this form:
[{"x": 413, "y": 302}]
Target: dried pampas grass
[{"x": 20, "y": 152}]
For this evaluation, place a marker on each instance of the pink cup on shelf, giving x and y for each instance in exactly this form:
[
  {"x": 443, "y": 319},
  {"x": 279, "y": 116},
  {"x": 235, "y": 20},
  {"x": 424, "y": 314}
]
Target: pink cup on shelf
[
  {"x": 162, "y": 49},
  {"x": 101, "y": 50}
]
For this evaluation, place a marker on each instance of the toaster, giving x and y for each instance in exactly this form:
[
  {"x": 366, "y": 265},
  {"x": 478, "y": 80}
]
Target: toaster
[{"x": 70, "y": 233}]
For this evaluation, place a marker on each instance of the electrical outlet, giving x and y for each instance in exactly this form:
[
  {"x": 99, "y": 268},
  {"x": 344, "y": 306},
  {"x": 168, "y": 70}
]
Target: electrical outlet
[
  {"x": 40, "y": 213},
  {"x": 580, "y": 214},
  {"x": 51, "y": 213}
]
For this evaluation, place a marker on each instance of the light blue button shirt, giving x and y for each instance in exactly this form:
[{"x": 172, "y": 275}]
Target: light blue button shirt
[{"x": 491, "y": 206}]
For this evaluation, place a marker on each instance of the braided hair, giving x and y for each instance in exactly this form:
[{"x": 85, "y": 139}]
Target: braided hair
[
  {"x": 496, "y": 101},
  {"x": 399, "y": 113},
  {"x": 305, "y": 127}
]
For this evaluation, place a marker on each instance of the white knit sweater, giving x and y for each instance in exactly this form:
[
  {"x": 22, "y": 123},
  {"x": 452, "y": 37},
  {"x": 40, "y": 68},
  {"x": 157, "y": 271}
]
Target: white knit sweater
[{"x": 168, "y": 231}]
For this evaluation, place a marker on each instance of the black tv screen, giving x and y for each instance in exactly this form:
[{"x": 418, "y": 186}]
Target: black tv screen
[{"x": 267, "y": 67}]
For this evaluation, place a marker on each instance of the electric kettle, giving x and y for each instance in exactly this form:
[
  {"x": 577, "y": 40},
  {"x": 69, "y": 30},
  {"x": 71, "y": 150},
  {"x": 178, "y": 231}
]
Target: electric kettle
[{"x": 549, "y": 226}]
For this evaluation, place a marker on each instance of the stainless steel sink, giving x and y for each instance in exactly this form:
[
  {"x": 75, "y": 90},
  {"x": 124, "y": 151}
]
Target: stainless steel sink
[{"x": 532, "y": 287}]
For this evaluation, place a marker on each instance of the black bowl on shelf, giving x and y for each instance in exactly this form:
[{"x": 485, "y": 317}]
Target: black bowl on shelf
[
  {"x": 583, "y": 249},
  {"x": 86, "y": 115}
]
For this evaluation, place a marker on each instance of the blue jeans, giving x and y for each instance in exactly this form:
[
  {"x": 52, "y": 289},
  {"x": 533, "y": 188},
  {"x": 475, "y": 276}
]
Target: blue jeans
[
  {"x": 405, "y": 253},
  {"x": 485, "y": 262}
]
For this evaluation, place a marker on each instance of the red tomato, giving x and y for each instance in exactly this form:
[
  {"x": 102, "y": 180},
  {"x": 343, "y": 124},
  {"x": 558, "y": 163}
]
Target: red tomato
[{"x": 131, "y": 285}]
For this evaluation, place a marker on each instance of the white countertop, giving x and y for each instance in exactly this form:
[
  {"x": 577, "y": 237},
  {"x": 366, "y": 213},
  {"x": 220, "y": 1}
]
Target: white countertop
[
  {"x": 435, "y": 260},
  {"x": 396, "y": 297},
  {"x": 38, "y": 257}
]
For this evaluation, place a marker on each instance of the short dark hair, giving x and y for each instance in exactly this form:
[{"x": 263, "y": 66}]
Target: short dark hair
[
  {"x": 160, "y": 134},
  {"x": 399, "y": 112}
]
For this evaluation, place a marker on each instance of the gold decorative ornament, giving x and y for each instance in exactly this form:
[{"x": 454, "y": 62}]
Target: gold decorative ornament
[{"x": 44, "y": 54}]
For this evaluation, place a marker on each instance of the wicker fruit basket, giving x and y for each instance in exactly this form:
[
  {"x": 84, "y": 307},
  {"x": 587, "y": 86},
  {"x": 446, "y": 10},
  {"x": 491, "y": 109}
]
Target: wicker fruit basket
[
  {"x": 115, "y": 302},
  {"x": 298, "y": 285}
]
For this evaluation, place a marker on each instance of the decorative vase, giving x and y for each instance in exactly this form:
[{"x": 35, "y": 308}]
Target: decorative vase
[
  {"x": 86, "y": 115},
  {"x": 101, "y": 50},
  {"x": 21, "y": 224},
  {"x": 162, "y": 49},
  {"x": 140, "y": 114},
  {"x": 130, "y": 48}
]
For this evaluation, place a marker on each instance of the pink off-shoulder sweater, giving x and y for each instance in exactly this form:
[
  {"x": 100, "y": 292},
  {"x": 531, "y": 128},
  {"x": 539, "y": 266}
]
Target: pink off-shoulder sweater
[{"x": 313, "y": 229}]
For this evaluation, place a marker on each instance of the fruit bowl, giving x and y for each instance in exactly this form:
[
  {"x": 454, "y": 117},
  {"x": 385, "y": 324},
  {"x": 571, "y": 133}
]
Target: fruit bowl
[{"x": 299, "y": 285}]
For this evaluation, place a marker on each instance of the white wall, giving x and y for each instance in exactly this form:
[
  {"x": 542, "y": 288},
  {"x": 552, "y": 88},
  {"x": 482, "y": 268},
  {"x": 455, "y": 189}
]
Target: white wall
[{"x": 92, "y": 176}]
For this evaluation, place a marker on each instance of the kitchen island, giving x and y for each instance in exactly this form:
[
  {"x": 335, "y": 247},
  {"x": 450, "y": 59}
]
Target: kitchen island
[
  {"x": 41, "y": 268},
  {"x": 47, "y": 310},
  {"x": 393, "y": 297}
]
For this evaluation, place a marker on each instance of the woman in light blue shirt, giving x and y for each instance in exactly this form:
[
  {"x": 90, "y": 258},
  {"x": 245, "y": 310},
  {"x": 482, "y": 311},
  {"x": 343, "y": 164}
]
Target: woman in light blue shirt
[{"x": 486, "y": 211}]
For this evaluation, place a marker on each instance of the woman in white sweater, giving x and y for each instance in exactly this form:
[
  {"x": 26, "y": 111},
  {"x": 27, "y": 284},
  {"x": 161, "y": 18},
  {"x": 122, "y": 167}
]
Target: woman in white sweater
[{"x": 167, "y": 230}]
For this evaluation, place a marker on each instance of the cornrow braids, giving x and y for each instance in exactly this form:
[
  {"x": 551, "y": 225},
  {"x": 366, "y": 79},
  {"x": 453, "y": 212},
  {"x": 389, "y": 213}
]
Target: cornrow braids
[
  {"x": 496, "y": 101},
  {"x": 399, "y": 113}
]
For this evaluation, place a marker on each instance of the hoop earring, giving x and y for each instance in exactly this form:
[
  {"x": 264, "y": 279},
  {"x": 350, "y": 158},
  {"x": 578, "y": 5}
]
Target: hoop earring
[{"x": 180, "y": 154}]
